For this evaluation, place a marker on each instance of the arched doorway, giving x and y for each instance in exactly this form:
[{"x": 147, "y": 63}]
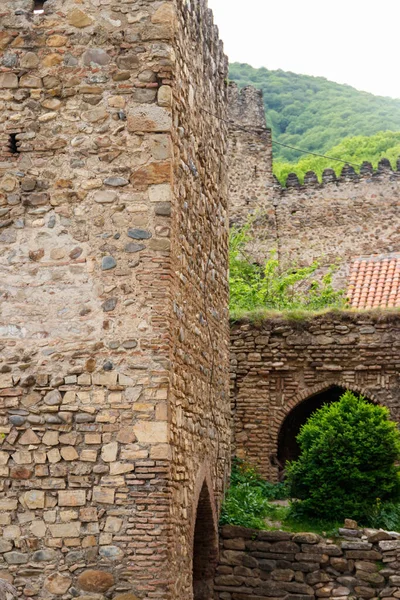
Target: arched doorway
[
  {"x": 205, "y": 547},
  {"x": 288, "y": 448}
]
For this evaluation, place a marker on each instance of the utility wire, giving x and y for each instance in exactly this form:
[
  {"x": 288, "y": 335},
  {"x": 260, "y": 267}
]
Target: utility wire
[
  {"x": 258, "y": 129},
  {"x": 346, "y": 162}
]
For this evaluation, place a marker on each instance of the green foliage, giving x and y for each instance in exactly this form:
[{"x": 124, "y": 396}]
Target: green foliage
[
  {"x": 244, "y": 473},
  {"x": 313, "y": 113},
  {"x": 297, "y": 520},
  {"x": 248, "y": 504},
  {"x": 247, "y": 500},
  {"x": 385, "y": 516},
  {"x": 245, "y": 505},
  {"x": 347, "y": 461},
  {"x": 253, "y": 286},
  {"x": 356, "y": 150}
]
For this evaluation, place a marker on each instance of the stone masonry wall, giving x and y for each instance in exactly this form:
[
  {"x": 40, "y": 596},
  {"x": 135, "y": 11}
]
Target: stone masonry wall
[
  {"x": 277, "y": 364},
  {"x": 339, "y": 220},
  {"x": 331, "y": 221},
  {"x": 200, "y": 409},
  {"x": 258, "y": 565},
  {"x": 251, "y": 182},
  {"x": 97, "y": 222}
]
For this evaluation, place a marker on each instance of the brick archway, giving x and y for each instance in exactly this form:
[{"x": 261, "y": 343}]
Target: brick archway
[
  {"x": 297, "y": 411},
  {"x": 205, "y": 538}
]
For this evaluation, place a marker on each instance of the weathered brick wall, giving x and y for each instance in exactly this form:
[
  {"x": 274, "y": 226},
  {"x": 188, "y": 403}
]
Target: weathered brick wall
[
  {"x": 277, "y": 364},
  {"x": 257, "y": 565},
  {"x": 335, "y": 220},
  {"x": 97, "y": 253}
]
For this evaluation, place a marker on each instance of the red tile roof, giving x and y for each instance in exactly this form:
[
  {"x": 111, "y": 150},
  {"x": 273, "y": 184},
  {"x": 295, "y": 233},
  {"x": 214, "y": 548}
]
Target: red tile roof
[{"x": 375, "y": 282}]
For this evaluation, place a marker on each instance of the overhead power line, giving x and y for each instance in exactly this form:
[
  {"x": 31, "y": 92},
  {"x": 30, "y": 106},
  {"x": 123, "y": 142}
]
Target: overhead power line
[
  {"x": 258, "y": 129},
  {"x": 315, "y": 154}
]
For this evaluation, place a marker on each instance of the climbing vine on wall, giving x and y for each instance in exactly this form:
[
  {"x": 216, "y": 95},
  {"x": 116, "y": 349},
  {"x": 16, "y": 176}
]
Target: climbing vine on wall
[{"x": 267, "y": 286}]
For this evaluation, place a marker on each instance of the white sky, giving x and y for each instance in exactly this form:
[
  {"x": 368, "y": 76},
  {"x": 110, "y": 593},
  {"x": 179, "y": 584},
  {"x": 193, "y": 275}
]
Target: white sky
[{"x": 348, "y": 41}]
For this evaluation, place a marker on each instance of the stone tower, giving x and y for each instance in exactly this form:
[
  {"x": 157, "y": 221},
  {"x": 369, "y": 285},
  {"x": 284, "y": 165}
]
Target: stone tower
[
  {"x": 113, "y": 316},
  {"x": 251, "y": 182}
]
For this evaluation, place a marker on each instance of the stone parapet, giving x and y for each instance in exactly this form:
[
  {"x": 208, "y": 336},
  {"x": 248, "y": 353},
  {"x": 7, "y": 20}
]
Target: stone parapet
[
  {"x": 329, "y": 221},
  {"x": 258, "y": 565}
]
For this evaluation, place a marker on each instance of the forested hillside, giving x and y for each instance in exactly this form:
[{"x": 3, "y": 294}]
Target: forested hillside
[{"x": 313, "y": 113}]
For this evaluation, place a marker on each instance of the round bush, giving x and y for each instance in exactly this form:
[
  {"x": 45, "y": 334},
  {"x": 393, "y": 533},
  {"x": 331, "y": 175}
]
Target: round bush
[{"x": 347, "y": 461}]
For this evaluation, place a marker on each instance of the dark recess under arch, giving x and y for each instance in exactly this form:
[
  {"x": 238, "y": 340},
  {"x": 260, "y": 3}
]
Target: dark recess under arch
[
  {"x": 205, "y": 548},
  {"x": 288, "y": 448}
]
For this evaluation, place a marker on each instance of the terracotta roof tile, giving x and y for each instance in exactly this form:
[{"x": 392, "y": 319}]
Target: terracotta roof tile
[{"x": 374, "y": 282}]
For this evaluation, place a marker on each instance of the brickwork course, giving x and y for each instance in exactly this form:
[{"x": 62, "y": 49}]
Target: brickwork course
[
  {"x": 114, "y": 330},
  {"x": 282, "y": 370}
]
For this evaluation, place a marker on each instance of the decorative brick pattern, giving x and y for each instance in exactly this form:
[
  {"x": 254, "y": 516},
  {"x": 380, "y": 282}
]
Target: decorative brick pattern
[{"x": 278, "y": 364}]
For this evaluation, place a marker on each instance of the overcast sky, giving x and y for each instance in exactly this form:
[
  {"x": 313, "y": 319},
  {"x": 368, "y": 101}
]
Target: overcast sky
[{"x": 349, "y": 41}]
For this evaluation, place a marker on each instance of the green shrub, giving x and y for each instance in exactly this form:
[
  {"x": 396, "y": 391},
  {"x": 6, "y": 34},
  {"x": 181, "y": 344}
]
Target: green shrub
[
  {"x": 385, "y": 515},
  {"x": 245, "y": 505},
  {"x": 267, "y": 286},
  {"x": 347, "y": 461},
  {"x": 244, "y": 473},
  {"x": 247, "y": 500}
]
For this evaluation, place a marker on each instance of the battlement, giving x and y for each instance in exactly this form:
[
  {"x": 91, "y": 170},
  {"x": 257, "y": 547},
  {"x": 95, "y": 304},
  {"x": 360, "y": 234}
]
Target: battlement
[{"x": 383, "y": 172}]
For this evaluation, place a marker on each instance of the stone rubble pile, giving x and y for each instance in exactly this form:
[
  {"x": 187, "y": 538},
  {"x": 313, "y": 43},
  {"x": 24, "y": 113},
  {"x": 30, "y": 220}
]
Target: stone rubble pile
[{"x": 261, "y": 565}]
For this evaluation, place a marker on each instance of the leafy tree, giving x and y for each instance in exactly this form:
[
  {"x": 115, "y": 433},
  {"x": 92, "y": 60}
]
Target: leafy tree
[
  {"x": 254, "y": 286},
  {"x": 347, "y": 463}
]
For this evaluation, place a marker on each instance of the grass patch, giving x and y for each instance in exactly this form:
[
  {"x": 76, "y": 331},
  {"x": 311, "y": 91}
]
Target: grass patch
[
  {"x": 323, "y": 528},
  {"x": 251, "y": 502},
  {"x": 258, "y": 316}
]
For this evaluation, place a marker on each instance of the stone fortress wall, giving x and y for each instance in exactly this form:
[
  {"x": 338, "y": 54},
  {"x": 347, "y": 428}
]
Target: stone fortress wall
[
  {"x": 113, "y": 252},
  {"x": 257, "y": 565},
  {"x": 331, "y": 221},
  {"x": 280, "y": 366}
]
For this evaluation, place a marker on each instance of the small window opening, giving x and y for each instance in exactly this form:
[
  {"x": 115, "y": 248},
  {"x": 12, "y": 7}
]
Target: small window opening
[
  {"x": 38, "y": 7},
  {"x": 12, "y": 143}
]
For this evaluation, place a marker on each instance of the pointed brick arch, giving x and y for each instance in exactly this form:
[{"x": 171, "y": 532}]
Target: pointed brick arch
[{"x": 278, "y": 363}]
